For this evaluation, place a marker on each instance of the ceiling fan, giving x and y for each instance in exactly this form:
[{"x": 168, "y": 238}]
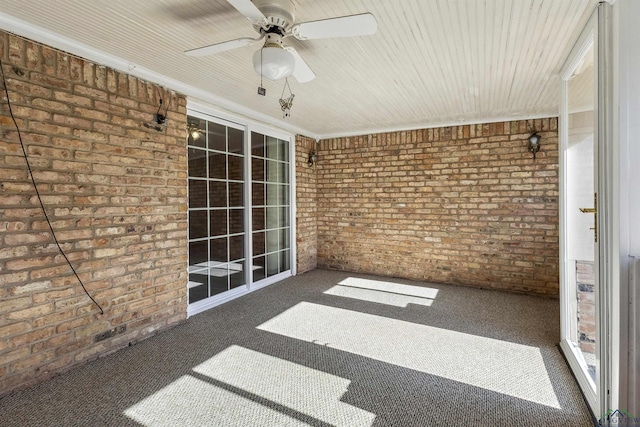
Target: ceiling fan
[{"x": 274, "y": 20}]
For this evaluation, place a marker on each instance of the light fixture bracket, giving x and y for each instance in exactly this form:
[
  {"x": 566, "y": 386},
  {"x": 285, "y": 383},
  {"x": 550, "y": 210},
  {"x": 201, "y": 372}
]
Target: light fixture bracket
[{"x": 160, "y": 119}]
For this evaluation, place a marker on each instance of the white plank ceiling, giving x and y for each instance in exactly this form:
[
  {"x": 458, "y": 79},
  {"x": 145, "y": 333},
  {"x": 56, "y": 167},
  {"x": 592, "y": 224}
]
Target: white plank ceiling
[{"x": 432, "y": 62}]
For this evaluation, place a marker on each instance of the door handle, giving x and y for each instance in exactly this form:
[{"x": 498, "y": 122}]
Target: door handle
[{"x": 594, "y": 211}]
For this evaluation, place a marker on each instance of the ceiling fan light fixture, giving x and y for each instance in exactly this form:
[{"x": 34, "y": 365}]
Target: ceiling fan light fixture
[{"x": 273, "y": 63}]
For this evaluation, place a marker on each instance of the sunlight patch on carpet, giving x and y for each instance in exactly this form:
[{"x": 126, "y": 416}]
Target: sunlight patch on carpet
[
  {"x": 306, "y": 390},
  {"x": 513, "y": 369},
  {"x": 251, "y": 388},
  {"x": 380, "y": 292},
  {"x": 189, "y": 401}
]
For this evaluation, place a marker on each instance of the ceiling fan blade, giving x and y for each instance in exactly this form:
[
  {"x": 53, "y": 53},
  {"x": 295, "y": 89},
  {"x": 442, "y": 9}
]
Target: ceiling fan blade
[
  {"x": 364, "y": 24},
  {"x": 220, "y": 47},
  {"x": 248, "y": 9},
  {"x": 301, "y": 71}
]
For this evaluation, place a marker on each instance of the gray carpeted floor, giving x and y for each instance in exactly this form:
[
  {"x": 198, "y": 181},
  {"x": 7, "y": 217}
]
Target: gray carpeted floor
[{"x": 326, "y": 348}]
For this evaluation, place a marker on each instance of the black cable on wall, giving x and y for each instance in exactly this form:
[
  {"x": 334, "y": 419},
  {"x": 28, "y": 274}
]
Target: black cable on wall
[{"x": 33, "y": 181}]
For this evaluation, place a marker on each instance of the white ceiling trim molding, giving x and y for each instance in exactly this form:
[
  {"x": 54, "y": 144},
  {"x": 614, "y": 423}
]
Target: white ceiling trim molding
[
  {"x": 24, "y": 29},
  {"x": 482, "y": 121}
]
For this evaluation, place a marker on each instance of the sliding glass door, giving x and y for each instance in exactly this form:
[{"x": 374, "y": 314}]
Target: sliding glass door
[{"x": 239, "y": 210}]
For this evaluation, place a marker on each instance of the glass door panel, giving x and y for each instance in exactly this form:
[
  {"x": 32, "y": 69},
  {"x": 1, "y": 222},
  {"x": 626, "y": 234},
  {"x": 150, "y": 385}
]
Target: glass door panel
[
  {"x": 271, "y": 205},
  {"x": 580, "y": 254},
  {"x": 581, "y": 217},
  {"x": 217, "y": 256}
]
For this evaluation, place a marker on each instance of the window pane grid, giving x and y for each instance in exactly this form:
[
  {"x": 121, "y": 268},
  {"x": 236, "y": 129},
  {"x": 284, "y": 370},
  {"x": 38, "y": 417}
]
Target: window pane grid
[
  {"x": 270, "y": 205},
  {"x": 216, "y": 260}
]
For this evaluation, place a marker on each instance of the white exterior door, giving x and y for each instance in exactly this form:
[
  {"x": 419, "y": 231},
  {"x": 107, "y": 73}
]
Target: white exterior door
[{"x": 586, "y": 232}]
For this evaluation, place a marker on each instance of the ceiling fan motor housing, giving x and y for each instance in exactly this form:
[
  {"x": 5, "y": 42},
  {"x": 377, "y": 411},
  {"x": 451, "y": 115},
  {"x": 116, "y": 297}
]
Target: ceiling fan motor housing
[{"x": 279, "y": 13}]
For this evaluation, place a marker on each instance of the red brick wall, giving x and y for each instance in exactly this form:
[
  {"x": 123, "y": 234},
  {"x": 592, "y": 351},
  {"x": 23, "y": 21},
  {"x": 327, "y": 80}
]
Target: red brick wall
[
  {"x": 461, "y": 205},
  {"x": 306, "y": 210},
  {"x": 116, "y": 194}
]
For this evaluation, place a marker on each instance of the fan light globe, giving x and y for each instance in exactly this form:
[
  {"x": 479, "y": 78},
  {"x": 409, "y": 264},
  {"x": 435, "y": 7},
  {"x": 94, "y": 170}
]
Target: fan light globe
[{"x": 273, "y": 63}]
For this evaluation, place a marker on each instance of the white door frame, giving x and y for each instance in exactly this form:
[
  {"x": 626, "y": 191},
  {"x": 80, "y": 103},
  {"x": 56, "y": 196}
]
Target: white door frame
[
  {"x": 586, "y": 41},
  {"x": 609, "y": 215},
  {"x": 208, "y": 112},
  {"x": 596, "y": 33}
]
